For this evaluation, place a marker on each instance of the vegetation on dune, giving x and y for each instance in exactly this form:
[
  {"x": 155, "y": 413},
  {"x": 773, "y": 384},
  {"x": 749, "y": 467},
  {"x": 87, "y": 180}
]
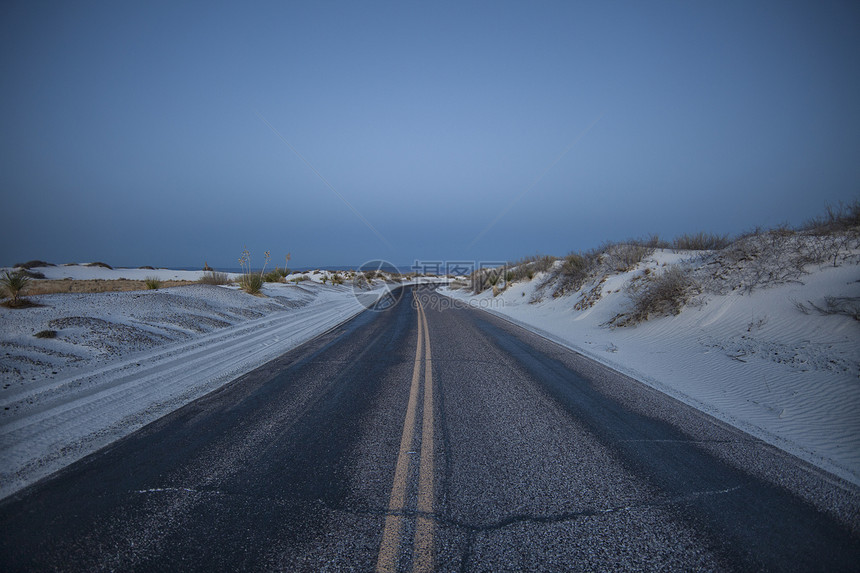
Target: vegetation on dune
[
  {"x": 274, "y": 276},
  {"x": 33, "y": 264},
  {"x": 701, "y": 242},
  {"x": 13, "y": 285},
  {"x": 211, "y": 277},
  {"x": 529, "y": 267},
  {"x": 55, "y": 286},
  {"x": 252, "y": 283},
  {"x": 843, "y": 217},
  {"x": 658, "y": 294},
  {"x": 717, "y": 265}
]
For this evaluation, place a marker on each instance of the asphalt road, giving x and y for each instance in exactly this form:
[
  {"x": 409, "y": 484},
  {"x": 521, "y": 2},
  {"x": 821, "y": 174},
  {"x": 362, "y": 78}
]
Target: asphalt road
[{"x": 427, "y": 437}]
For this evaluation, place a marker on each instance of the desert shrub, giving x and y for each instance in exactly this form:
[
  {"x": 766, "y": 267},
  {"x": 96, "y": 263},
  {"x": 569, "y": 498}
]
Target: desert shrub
[
  {"x": 99, "y": 264},
  {"x": 841, "y": 218},
  {"x": 527, "y": 268},
  {"x": 214, "y": 278},
  {"x": 14, "y": 284},
  {"x": 764, "y": 259},
  {"x": 273, "y": 276},
  {"x": 46, "y": 334},
  {"x": 300, "y": 278},
  {"x": 337, "y": 279},
  {"x": 543, "y": 263},
  {"x": 624, "y": 256},
  {"x": 581, "y": 268},
  {"x": 252, "y": 283},
  {"x": 575, "y": 264},
  {"x": 658, "y": 295},
  {"x": 700, "y": 242},
  {"x": 578, "y": 268},
  {"x": 655, "y": 242},
  {"x": 574, "y": 271},
  {"x": 152, "y": 283}
]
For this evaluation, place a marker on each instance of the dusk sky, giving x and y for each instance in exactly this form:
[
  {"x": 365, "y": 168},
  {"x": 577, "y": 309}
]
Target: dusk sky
[{"x": 168, "y": 134}]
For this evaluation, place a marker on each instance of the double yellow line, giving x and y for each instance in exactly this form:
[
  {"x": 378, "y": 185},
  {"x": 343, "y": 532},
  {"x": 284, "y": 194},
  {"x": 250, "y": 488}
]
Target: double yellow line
[{"x": 422, "y": 546}]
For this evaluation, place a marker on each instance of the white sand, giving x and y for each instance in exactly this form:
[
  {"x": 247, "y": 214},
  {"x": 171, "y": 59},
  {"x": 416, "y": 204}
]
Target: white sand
[{"x": 753, "y": 360}]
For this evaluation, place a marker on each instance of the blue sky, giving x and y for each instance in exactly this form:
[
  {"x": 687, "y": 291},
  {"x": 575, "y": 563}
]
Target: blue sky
[{"x": 136, "y": 133}]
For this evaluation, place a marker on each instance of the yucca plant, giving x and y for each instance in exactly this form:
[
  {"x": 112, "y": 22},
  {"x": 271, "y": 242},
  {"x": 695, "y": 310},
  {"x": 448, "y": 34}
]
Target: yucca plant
[
  {"x": 14, "y": 284},
  {"x": 152, "y": 283},
  {"x": 250, "y": 282}
]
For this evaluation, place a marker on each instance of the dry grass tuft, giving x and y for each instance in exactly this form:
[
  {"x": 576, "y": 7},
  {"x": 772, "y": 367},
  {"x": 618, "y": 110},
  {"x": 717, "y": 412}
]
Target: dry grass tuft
[
  {"x": 658, "y": 295},
  {"x": 214, "y": 278},
  {"x": 701, "y": 242},
  {"x": 844, "y": 217}
]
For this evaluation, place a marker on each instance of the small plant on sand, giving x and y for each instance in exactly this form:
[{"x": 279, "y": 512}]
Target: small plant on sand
[
  {"x": 658, "y": 295},
  {"x": 274, "y": 276},
  {"x": 214, "y": 278},
  {"x": 250, "y": 282},
  {"x": 13, "y": 284},
  {"x": 152, "y": 283}
]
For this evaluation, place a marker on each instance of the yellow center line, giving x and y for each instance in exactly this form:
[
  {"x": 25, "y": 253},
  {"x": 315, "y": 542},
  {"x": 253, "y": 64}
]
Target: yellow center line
[
  {"x": 423, "y": 555},
  {"x": 389, "y": 550}
]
